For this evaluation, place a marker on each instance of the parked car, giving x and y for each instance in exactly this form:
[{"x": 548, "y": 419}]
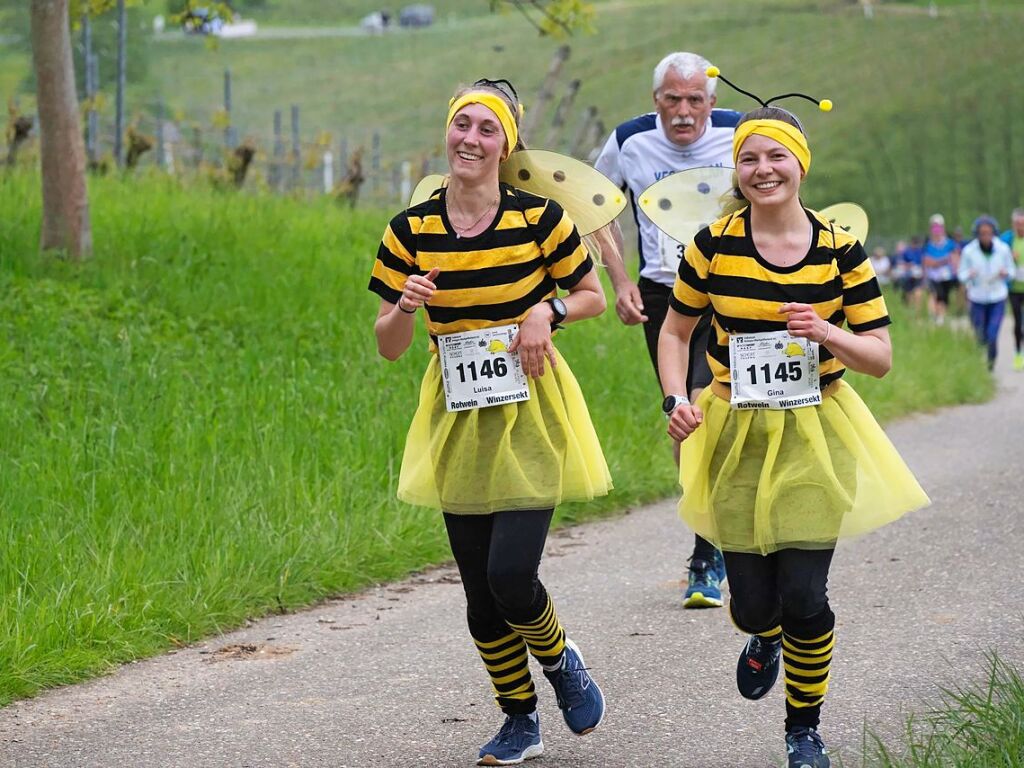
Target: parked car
[{"x": 419, "y": 15}]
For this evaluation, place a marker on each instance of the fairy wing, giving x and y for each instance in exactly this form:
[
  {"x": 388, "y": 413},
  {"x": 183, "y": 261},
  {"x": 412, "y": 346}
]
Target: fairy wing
[
  {"x": 848, "y": 217},
  {"x": 684, "y": 203},
  {"x": 588, "y": 196},
  {"x": 427, "y": 186}
]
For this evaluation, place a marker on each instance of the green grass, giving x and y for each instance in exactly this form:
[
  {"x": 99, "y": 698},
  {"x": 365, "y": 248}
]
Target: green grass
[
  {"x": 196, "y": 427},
  {"x": 980, "y": 726}
]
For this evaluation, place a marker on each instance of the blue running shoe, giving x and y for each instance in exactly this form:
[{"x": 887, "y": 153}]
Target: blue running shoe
[
  {"x": 719, "y": 565},
  {"x": 805, "y": 749},
  {"x": 579, "y": 697},
  {"x": 758, "y": 667},
  {"x": 703, "y": 587},
  {"x": 518, "y": 740}
]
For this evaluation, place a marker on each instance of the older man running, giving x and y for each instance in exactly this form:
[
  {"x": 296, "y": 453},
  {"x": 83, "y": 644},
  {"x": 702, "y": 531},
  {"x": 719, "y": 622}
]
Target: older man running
[{"x": 684, "y": 131}]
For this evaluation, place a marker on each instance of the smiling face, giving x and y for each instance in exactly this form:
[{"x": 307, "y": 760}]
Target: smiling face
[
  {"x": 768, "y": 173},
  {"x": 684, "y": 106},
  {"x": 475, "y": 143}
]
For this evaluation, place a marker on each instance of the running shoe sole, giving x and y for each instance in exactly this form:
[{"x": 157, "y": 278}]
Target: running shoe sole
[
  {"x": 697, "y": 600},
  {"x": 532, "y": 751}
]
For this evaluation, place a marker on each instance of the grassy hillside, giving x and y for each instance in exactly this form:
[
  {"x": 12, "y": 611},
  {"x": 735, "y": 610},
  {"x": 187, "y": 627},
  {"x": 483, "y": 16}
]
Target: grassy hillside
[
  {"x": 913, "y": 130},
  {"x": 925, "y": 118}
]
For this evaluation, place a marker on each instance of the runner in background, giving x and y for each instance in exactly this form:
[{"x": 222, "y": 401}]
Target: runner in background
[
  {"x": 985, "y": 268},
  {"x": 1014, "y": 237},
  {"x": 685, "y": 131},
  {"x": 939, "y": 260}
]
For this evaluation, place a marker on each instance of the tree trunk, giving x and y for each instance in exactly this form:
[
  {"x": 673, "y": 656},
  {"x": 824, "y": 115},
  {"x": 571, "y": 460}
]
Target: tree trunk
[{"x": 65, "y": 198}]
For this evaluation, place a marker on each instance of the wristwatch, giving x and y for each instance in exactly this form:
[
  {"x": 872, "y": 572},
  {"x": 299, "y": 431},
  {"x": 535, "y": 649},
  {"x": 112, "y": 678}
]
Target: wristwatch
[
  {"x": 560, "y": 310},
  {"x": 670, "y": 403}
]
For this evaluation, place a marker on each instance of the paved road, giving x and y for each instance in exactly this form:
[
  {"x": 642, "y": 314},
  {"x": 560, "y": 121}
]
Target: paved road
[{"x": 389, "y": 678}]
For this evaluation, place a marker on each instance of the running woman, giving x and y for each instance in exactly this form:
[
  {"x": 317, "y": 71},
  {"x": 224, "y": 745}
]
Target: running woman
[
  {"x": 781, "y": 461},
  {"x": 501, "y": 434},
  {"x": 986, "y": 267}
]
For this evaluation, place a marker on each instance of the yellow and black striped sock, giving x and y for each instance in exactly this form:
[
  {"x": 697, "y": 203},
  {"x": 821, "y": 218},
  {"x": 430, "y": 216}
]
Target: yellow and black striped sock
[
  {"x": 772, "y": 635},
  {"x": 806, "y": 663},
  {"x": 544, "y": 637},
  {"x": 508, "y": 665}
]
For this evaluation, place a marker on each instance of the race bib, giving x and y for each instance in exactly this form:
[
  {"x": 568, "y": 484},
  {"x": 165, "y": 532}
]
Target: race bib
[
  {"x": 773, "y": 370},
  {"x": 1019, "y": 274},
  {"x": 478, "y": 371},
  {"x": 670, "y": 252}
]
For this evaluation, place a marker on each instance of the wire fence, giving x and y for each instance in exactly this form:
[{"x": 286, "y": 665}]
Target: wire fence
[{"x": 355, "y": 167}]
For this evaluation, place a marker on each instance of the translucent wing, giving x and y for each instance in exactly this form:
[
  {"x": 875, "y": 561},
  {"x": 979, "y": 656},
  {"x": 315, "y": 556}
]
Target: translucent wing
[
  {"x": 682, "y": 204},
  {"x": 590, "y": 199},
  {"x": 427, "y": 186},
  {"x": 849, "y": 217}
]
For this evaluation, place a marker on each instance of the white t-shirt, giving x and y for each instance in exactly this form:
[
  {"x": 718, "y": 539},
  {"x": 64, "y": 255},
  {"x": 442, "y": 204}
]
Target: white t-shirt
[{"x": 638, "y": 153}]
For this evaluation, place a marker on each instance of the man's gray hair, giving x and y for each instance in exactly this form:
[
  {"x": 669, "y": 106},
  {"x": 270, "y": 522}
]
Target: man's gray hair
[
  {"x": 686, "y": 65},
  {"x": 1018, "y": 213}
]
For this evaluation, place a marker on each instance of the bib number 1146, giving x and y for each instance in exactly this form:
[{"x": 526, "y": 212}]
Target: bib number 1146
[{"x": 489, "y": 369}]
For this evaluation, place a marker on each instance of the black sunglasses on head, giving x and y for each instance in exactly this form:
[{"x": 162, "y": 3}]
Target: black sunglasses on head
[{"x": 502, "y": 85}]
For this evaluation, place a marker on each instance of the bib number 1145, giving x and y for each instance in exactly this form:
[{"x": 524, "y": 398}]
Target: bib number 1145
[{"x": 783, "y": 372}]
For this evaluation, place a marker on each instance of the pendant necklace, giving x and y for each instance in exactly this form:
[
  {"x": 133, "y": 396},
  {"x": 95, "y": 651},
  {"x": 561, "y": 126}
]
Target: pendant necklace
[{"x": 460, "y": 230}]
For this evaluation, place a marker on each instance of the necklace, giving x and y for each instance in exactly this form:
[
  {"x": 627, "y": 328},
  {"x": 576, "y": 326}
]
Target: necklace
[{"x": 459, "y": 231}]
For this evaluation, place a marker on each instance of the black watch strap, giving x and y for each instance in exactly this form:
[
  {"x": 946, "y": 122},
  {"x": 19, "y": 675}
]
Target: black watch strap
[{"x": 559, "y": 310}]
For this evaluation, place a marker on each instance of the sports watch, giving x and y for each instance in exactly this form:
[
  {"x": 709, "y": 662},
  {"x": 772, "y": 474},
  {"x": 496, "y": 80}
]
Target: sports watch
[
  {"x": 560, "y": 310},
  {"x": 670, "y": 403}
]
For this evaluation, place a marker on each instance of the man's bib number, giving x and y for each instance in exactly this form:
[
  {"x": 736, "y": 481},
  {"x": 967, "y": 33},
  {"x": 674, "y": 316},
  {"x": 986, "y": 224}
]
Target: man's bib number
[
  {"x": 773, "y": 370},
  {"x": 478, "y": 371},
  {"x": 670, "y": 252}
]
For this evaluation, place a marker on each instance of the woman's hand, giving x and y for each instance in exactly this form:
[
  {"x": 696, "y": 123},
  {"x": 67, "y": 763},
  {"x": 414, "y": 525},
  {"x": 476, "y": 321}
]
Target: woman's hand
[
  {"x": 804, "y": 322},
  {"x": 683, "y": 421},
  {"x": 418, "y": 290},
  {"x": 533, "y": 342}
]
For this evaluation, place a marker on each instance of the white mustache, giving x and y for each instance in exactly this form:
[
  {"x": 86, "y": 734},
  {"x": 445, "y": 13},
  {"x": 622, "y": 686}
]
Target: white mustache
[{"x": 678, "y": 121}]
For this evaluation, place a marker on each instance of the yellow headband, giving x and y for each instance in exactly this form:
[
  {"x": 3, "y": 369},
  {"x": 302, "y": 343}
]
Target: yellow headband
[
  {"x": 787, "y": 135},
  {"x": 497, "y": 105}
]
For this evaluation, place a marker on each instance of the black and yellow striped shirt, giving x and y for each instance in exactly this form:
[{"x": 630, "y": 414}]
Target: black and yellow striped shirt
[
  {"x": 491, "y": 279},
  {"x": 722, "y": 267}
]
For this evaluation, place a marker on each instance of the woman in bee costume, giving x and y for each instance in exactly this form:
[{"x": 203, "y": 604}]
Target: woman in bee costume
[
  {"x": 780, "y": 457},
  {"x": 501, "y": 434}
]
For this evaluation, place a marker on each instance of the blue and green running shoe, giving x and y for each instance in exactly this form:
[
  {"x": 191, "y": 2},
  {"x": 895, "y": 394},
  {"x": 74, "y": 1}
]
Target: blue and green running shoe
[
  {"x": 517, "y": 740},
  {"x": 704, "y": 583}
]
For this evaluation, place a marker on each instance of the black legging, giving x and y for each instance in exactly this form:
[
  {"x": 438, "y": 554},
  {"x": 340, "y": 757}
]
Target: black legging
[
  {"x": 1017, "y": 305},
  {"x": 498, "y": 557},
  {"x": 790, "y": 583},
  {"x": 789, "y": 588}
]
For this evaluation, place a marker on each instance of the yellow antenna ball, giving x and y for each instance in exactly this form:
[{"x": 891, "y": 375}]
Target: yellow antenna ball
[
  {"x": 713, "y": 71},
  {"x": 825, "y": 105}
]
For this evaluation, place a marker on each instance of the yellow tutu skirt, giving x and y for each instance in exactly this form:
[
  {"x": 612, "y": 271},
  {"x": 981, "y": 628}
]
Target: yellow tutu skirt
[
  {"x": 530, "y": 455},
  {"x": 763, "y": 480}
]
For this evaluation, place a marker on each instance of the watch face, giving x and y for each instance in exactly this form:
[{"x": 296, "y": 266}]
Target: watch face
[
  {"x": 668, "y": 404},
  {"x": 560, "y": 310}
]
